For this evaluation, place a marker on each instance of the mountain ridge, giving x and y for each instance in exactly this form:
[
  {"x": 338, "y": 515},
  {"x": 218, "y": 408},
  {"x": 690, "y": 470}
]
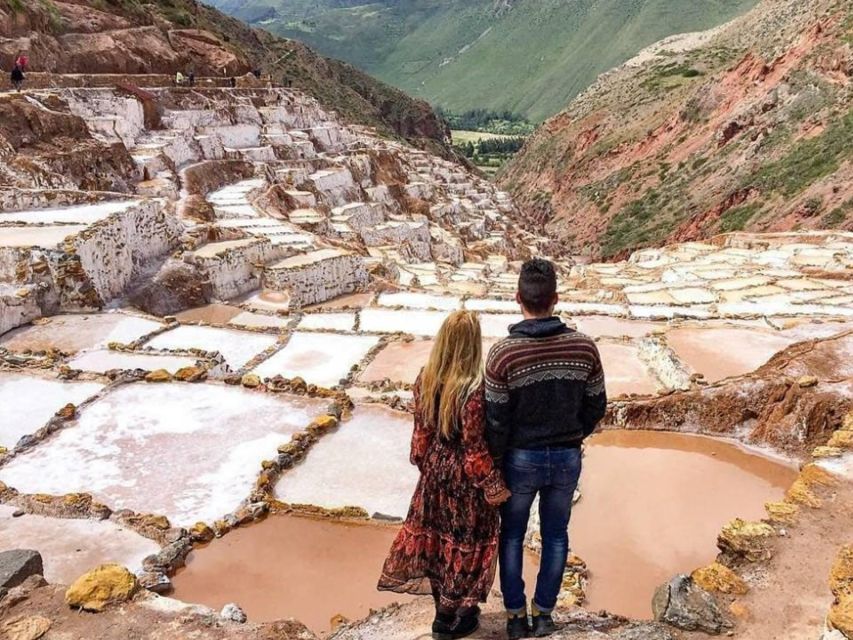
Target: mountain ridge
[
  {"x": 527, "y": 56},
  {"x": 751, "y": 130}
]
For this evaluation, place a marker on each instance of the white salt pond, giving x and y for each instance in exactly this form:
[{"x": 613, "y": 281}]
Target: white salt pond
[
  {"x": 187, "y": 451},
  {"x": 318, "y": 358},
  {"x": 76, "y": 332},
  {"x": 103, "y": 360},
  {"x": 70, "y": 548},
  {"x": 328, "y": 321},
  {"x": 237, "y": 347},
  {"x": 29, "y": 402},
  {"x": 419, "y": 323},
  {"x": 419, "y": 301},
  {"x": 364, "y": 463},
  {"x": 82, "y": 214},
  {"x": 47, "y": 237}
]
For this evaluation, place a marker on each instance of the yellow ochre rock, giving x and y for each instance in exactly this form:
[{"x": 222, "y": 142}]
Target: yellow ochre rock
[
  {"x": 749, "y": 540},
  {"x": 804, "y": 489},
  {"x": 718, "y": 577},
  {"x": 190, "y": 374},
  {"x": 161, "y": 375},
  {"x": 827, "y": 452},
  {"x": 102, "y": 586},
  {"x": 782, "y": 512},
  {"x": 201, "y": 532},
  {"x": 841, "y": 440},
  {"x": 67, "y": 412},
  {"x": 807, "y": 381},
  {"x": 841, "y": 616},
  {"x": 841, "y": 575},
  {"x": 325, "y": 422},
  {"x": 250, "y": 381}
]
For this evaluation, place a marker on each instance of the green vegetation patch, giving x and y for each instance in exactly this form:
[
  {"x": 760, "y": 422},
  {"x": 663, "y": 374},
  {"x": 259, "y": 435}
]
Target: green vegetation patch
[
  {"x": 837, "y": 216},
  {"x": 638, "y": 223},
  {"x": 736, "y": 218},
  {"x": 809, "y": 160}
]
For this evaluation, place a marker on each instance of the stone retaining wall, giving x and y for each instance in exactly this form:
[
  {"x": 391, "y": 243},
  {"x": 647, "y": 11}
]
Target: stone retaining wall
[{"x": 317, "y": 276}]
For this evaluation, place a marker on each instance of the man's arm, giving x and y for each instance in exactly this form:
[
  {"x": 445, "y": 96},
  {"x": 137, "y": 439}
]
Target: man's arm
[
  {"x": 594, "y": 398},
  {"x": 497, "y": 405}
]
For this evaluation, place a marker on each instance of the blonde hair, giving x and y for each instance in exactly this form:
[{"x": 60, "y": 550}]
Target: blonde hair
[{"x": 453, "y": 372}]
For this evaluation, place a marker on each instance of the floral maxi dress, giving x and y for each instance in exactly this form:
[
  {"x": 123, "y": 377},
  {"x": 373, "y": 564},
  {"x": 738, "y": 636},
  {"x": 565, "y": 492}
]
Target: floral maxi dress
[{"x": 448, "y": 544}]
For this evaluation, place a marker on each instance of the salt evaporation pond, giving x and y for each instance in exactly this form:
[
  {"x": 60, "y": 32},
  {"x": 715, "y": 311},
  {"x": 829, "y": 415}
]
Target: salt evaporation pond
[
  {"x": 189, "y": 452},
  {"x": 652, "y": 505}
]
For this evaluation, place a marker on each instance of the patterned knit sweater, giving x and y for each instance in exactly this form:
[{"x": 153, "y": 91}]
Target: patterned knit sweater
[{"x": 544, "y": 388}]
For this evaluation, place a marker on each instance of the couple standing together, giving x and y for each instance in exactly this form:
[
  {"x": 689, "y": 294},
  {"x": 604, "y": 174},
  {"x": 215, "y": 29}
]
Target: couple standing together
[{"x": 486, "y": 444}]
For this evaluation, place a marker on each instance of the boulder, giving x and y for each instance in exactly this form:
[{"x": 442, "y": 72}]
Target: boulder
[
  {"x": 17, "y": 565},
  {"x": 155, "y": 581},
  {"x": 100, "y": 587},
  {"x": 750, "y": 541},
  {"x": 684, "y": 605},
  {"x": 718, "y": 577}
]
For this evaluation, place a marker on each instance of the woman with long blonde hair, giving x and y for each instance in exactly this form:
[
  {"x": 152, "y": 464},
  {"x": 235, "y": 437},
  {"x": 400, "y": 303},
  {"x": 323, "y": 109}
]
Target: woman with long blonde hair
[{"x": 448, "y": 544}]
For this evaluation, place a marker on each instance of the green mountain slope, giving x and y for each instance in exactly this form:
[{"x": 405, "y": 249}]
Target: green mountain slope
[{"x": 527, "y": 56}]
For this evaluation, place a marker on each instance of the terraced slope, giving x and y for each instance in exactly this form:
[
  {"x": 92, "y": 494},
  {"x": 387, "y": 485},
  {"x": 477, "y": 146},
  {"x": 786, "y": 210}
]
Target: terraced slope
[
  {"x": 528, "y": 56},
  {"x": 164, "y": 36},
  {"x": 749, "y": 128}
]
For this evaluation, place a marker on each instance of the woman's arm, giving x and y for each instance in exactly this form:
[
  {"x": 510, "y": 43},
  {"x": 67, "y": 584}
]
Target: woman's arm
[
  {"x": 479, "y": 465},
  {"x": 422, "y": 434}
]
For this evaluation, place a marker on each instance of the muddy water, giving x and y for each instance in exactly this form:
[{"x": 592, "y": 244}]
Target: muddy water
[
  {"x": 652, "y": 505},
  {"x": 292, "y": 567},
  {"x": 211, "y": 313}
]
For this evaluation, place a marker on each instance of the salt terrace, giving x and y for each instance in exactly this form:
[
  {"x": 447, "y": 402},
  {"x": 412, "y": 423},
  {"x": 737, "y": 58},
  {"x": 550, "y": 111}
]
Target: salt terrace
[{"x": 185, "y": 351}]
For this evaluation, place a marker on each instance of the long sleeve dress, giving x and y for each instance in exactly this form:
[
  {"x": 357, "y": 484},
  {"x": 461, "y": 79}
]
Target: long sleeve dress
[{"x": 448, "y": 544}]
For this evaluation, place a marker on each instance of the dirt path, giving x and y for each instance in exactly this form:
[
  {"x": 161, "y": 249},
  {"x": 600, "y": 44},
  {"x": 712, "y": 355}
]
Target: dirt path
[{"x": 793, "y": 598}]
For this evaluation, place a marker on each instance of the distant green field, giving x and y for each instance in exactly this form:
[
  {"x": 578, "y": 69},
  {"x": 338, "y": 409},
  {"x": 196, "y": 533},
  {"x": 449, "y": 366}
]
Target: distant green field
[
  {"x": 474, "y": 136},
  {"x": 529, "y": 57}
]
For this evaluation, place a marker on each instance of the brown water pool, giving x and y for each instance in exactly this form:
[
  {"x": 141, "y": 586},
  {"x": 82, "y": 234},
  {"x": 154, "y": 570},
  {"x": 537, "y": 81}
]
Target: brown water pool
[{"x": 652, "y": 506}]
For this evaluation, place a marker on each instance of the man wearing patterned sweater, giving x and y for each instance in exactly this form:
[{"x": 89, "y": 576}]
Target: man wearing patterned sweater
[{"x": 545, "y": 394}]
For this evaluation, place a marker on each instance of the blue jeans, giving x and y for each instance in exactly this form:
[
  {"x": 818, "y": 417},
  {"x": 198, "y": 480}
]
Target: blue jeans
[{"x": 553, "y": 473}]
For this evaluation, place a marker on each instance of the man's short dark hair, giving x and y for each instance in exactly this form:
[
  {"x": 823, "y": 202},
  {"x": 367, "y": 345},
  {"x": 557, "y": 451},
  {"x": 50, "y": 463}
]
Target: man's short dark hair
[{"x": 537, "y": 285}]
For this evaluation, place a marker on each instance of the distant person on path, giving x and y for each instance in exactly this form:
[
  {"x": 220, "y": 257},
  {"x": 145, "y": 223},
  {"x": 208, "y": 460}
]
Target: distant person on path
[
  {"x": 545, "y": 394},
  {"x": 191, "y": 78},
  {"x": 22, "y": 60},
  {"x": 17, "y": 77},
  {"x": 232, "y": 82},
  {"x": 179, "y": 79},
  {"x": 448, "y": 544}
]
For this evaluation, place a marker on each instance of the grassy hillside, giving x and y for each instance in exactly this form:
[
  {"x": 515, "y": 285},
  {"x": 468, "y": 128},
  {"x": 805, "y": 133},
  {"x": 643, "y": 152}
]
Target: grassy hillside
[
  {"x": 749, "y": 130},
  {"x": 527, "y": 56}
]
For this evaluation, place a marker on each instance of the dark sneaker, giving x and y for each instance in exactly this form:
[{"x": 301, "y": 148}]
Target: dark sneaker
[
  {"x": 442, "y": 627},
  {"x": 465, "y": 626},
  {"x": 543, "y": 625},
  {"x": 517, "y": 627},
  {"x": 450, "y": 629}
]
